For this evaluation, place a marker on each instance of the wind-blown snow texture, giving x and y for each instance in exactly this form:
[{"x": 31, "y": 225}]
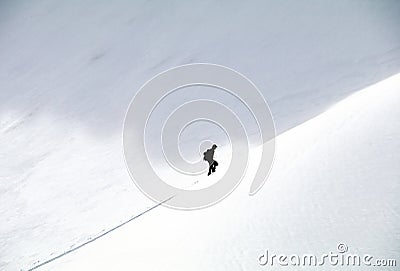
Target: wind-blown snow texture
[{"x": 69, "y": 69}]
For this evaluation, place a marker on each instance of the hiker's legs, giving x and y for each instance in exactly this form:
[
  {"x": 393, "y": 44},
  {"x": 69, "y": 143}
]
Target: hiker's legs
[
  {"x": 210, "y": 169},
  {"x": 214, "y": 165}
]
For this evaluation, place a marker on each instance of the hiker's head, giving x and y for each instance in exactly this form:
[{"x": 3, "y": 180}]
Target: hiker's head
[{"x": 214, "y": 147}]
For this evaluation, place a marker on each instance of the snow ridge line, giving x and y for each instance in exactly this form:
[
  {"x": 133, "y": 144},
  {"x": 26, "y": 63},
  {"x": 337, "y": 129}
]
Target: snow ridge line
[{"x": 98, "y": 236}]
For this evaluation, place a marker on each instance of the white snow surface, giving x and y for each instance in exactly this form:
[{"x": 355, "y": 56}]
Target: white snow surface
[
  {"x": 68, "y": 70},
  {"x": 335, "y": 180}
]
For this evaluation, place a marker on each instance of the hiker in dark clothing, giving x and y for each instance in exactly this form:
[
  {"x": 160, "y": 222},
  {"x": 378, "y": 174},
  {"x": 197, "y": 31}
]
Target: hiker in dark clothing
[{"x": 209, "y": 157}]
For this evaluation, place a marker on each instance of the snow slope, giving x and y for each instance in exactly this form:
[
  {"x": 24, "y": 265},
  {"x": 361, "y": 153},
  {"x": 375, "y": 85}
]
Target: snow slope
[
  {"x": 335, "y": 180},
  {"x": 68, "y": 70}
]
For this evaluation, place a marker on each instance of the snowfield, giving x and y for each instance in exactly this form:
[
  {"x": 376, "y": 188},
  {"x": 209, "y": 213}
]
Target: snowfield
[
  {"x": 335, "y": 180},
  {"x": 68, "y": 70}
]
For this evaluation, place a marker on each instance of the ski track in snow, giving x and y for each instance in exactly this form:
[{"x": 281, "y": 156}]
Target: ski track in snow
[{"x": 73, "y": 248}]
